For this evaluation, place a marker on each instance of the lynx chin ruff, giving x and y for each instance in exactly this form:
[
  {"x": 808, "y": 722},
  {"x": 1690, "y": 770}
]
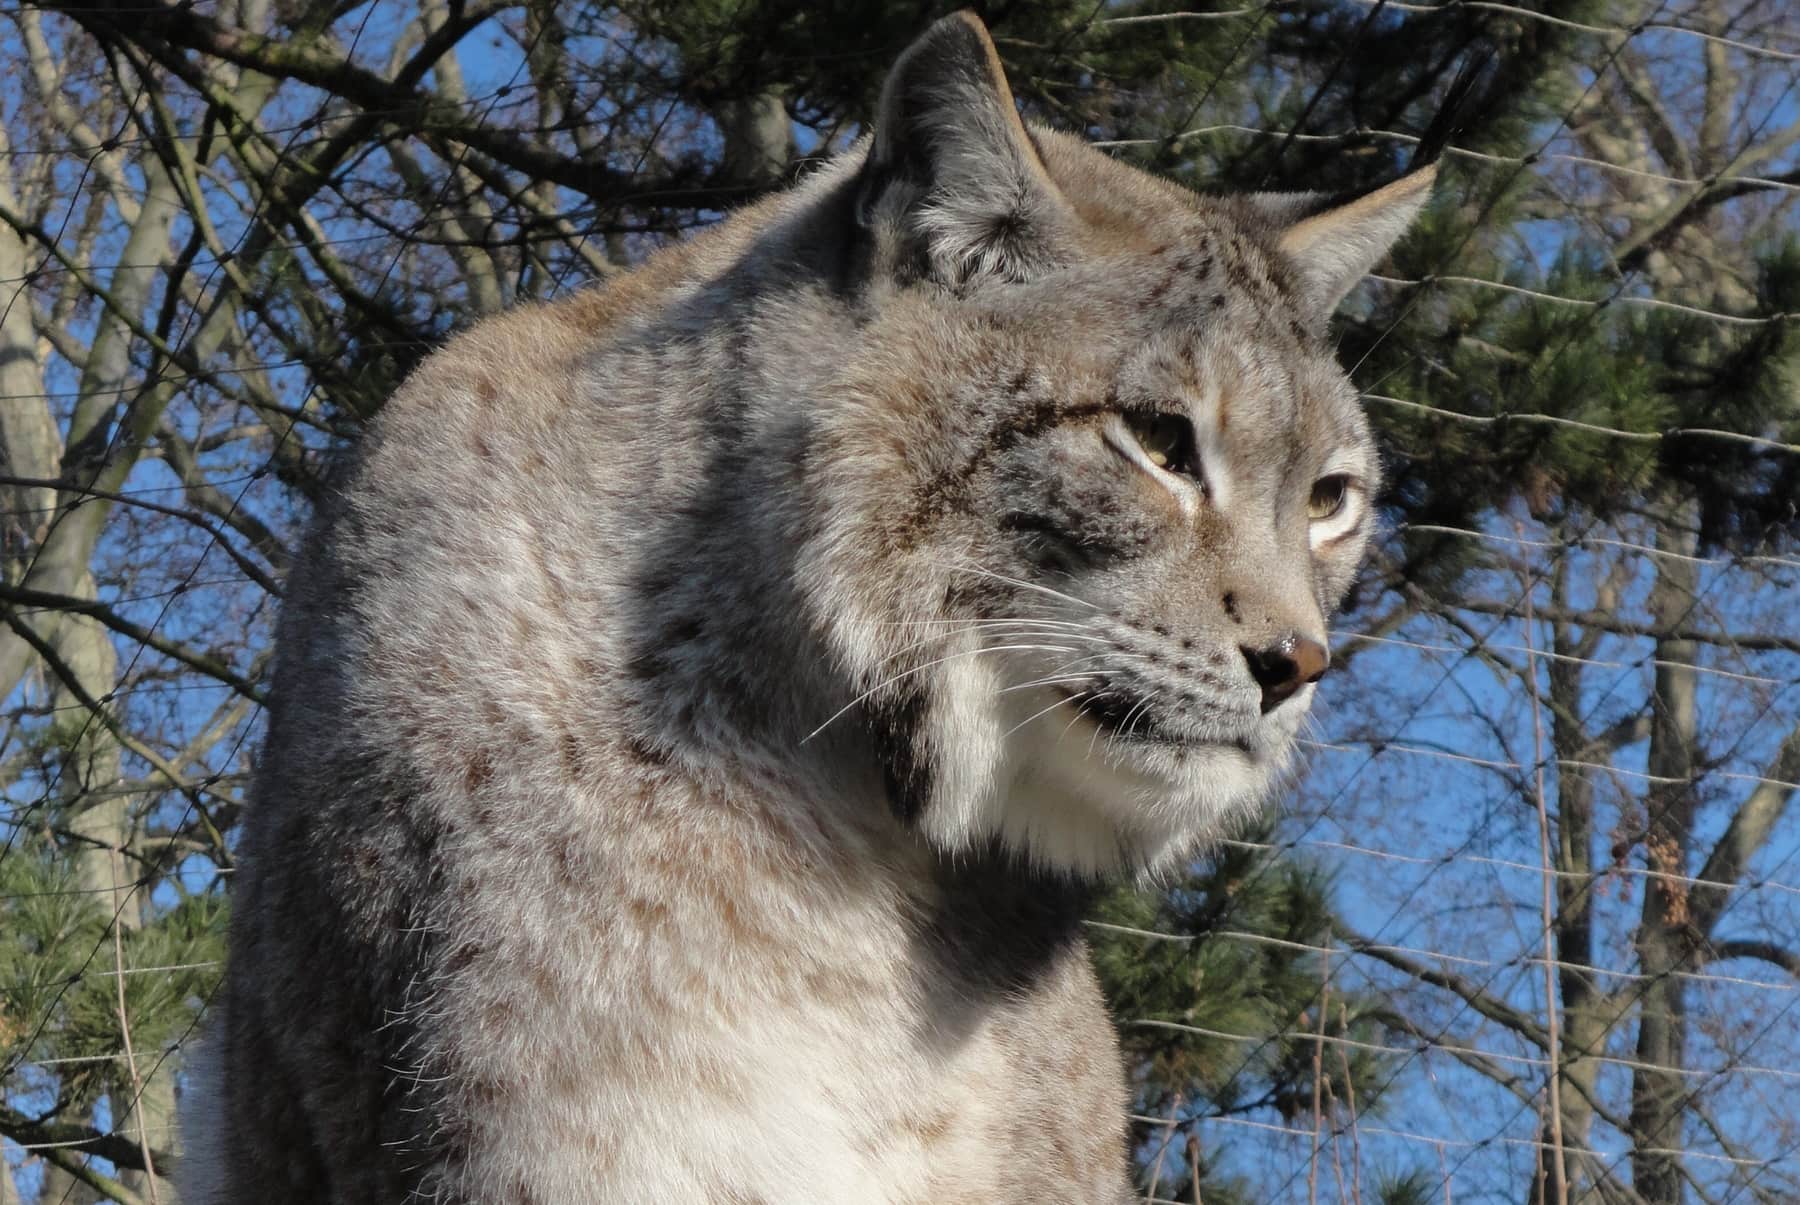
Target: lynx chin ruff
[{"x": 705, "y": 698}]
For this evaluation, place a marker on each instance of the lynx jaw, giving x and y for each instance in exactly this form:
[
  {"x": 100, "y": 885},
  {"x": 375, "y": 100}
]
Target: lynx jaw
[{"x": 1089, "y": 799}]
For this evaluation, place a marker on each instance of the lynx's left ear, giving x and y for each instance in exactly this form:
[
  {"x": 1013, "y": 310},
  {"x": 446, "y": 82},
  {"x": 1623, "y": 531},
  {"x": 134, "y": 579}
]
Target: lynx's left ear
[
  {"x": 1334, "y": 248},
  {"x": 952, "y": 170}
]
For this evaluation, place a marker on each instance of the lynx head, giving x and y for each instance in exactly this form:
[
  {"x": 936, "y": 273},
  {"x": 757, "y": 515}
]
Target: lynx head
[{"x": 1090, "y": 481}]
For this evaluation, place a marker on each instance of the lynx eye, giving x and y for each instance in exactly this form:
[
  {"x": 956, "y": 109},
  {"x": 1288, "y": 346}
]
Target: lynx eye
[
  {"x": 1328, "y": 496},
  {"x": 1167, "y": 440}
]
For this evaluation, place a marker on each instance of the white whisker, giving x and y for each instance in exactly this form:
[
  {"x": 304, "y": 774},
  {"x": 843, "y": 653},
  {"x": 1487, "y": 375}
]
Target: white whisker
[
  {"x": 1077, "y": 669},
  {"x": 1035, "y": 683},
  {"x": 1077, "y": 700},
  {"x": 1129, "y": 727},
  {"x": 1004, "y": 628},
  {"x": 1097, "y": 727},
  {"x": 919, "y": 669},
  {"x": 982, "y": 621},
  {"x": 1034, "y": 715},
  {"x": 1013, "y": 581}
]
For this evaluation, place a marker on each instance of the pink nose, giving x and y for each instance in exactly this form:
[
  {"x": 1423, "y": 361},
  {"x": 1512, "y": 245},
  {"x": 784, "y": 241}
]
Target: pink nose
[{"x": 1284, "y": 667}]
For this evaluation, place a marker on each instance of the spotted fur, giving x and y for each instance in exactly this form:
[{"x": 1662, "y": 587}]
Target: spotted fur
[{"x": 706, "y": 700}]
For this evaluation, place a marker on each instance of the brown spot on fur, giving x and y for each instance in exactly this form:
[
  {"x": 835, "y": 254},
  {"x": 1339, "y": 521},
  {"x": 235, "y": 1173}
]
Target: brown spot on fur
[
  {"x": 465, "y": 954},
  {"x": 568, "y": 864},
  {"x": 740, "y": 931},
  {"x": 499, "y": 1014},
  {"x": 929, "y": 1129},
  {"x": 574, "y": 757},
  {"x": 478, "y": 771},
  {"x": 1160, "y": 290},
  {"x": 836, "y": 987},
  {"x": 554, "y": 591},
  {"x": 1066, "y": 1163},
  {"x": 648, "y": 913},
  {"x": 645, "y": 752},
  {"x": 1239, "y": 277}
]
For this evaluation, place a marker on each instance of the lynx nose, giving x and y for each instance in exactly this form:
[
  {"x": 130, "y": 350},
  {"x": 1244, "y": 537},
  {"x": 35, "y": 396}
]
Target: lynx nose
[{"x": 1285, "y": 666}]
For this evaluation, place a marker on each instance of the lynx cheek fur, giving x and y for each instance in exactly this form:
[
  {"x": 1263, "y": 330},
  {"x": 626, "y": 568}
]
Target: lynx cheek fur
[{"x": 705, "y": 697}]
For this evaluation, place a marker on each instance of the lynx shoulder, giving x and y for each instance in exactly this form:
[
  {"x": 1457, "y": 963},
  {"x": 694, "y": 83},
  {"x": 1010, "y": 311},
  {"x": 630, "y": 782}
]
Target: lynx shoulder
[{"x": 706, "y": 700}]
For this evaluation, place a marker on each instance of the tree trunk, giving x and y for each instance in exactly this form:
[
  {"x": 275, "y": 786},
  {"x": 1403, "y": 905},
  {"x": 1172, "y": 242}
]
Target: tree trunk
[
  {"x": 30, "y": 445},
  {"x": 1664, "y": 940},
  {"x": 758, "y": 137},
  {"x": 1588, "y": 1014},
  {"x": 1583, "y": 1022}
]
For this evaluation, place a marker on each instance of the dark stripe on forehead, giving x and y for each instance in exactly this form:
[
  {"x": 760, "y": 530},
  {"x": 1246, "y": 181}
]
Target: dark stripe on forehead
[
  {"x": 1298, "y": 439},
  {"x": 949, "y": 490},
  {"x": 1264, "y": 283}
]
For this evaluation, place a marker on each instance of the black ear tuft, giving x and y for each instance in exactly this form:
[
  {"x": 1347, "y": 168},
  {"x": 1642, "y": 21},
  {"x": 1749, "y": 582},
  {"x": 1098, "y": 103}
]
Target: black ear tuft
[
  {"x": 1465, "y": 103},
  {"x": 952, "y": 168}
]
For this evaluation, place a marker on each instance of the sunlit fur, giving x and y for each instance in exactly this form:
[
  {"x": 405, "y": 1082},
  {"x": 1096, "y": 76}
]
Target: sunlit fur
[{"x": 703, "y": 700}]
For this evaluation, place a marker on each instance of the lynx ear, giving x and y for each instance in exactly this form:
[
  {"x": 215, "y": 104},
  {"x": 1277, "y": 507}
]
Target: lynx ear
[
  {"x": 952, "y": 164},
  {"x": 1332, "y": 249}
]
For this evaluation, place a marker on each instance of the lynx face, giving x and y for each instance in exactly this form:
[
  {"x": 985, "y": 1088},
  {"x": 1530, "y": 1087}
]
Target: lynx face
[
  {"x": 1171, "y": 550},
  {"x": 1098, "y": 479}
]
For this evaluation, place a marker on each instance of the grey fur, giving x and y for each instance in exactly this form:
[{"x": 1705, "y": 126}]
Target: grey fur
[{"x": 661, "y": 801}]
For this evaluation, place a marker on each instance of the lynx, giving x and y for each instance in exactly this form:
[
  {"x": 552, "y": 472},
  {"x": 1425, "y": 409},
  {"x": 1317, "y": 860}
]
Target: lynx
[{"x": 707, "y": 700}]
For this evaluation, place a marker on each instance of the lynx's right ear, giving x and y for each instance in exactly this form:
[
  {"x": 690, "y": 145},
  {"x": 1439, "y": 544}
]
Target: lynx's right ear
[
  {"x": 952, "y": 170},
  {"x": 1333, "y": 249}
]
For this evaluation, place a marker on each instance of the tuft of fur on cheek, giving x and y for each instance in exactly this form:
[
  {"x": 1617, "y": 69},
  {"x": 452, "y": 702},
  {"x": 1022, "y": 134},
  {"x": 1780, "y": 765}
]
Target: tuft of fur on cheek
[
  {"x": 924, "y": 692},
  {"x": 963, "y": 731}
]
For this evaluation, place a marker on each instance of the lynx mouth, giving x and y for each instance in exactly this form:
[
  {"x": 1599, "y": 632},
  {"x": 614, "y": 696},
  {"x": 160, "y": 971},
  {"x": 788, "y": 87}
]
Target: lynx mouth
[{"x": 1132, "y": 720}]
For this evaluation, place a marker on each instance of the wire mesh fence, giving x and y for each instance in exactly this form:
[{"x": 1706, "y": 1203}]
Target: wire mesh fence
[{"x": 1529, "y": 924}]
